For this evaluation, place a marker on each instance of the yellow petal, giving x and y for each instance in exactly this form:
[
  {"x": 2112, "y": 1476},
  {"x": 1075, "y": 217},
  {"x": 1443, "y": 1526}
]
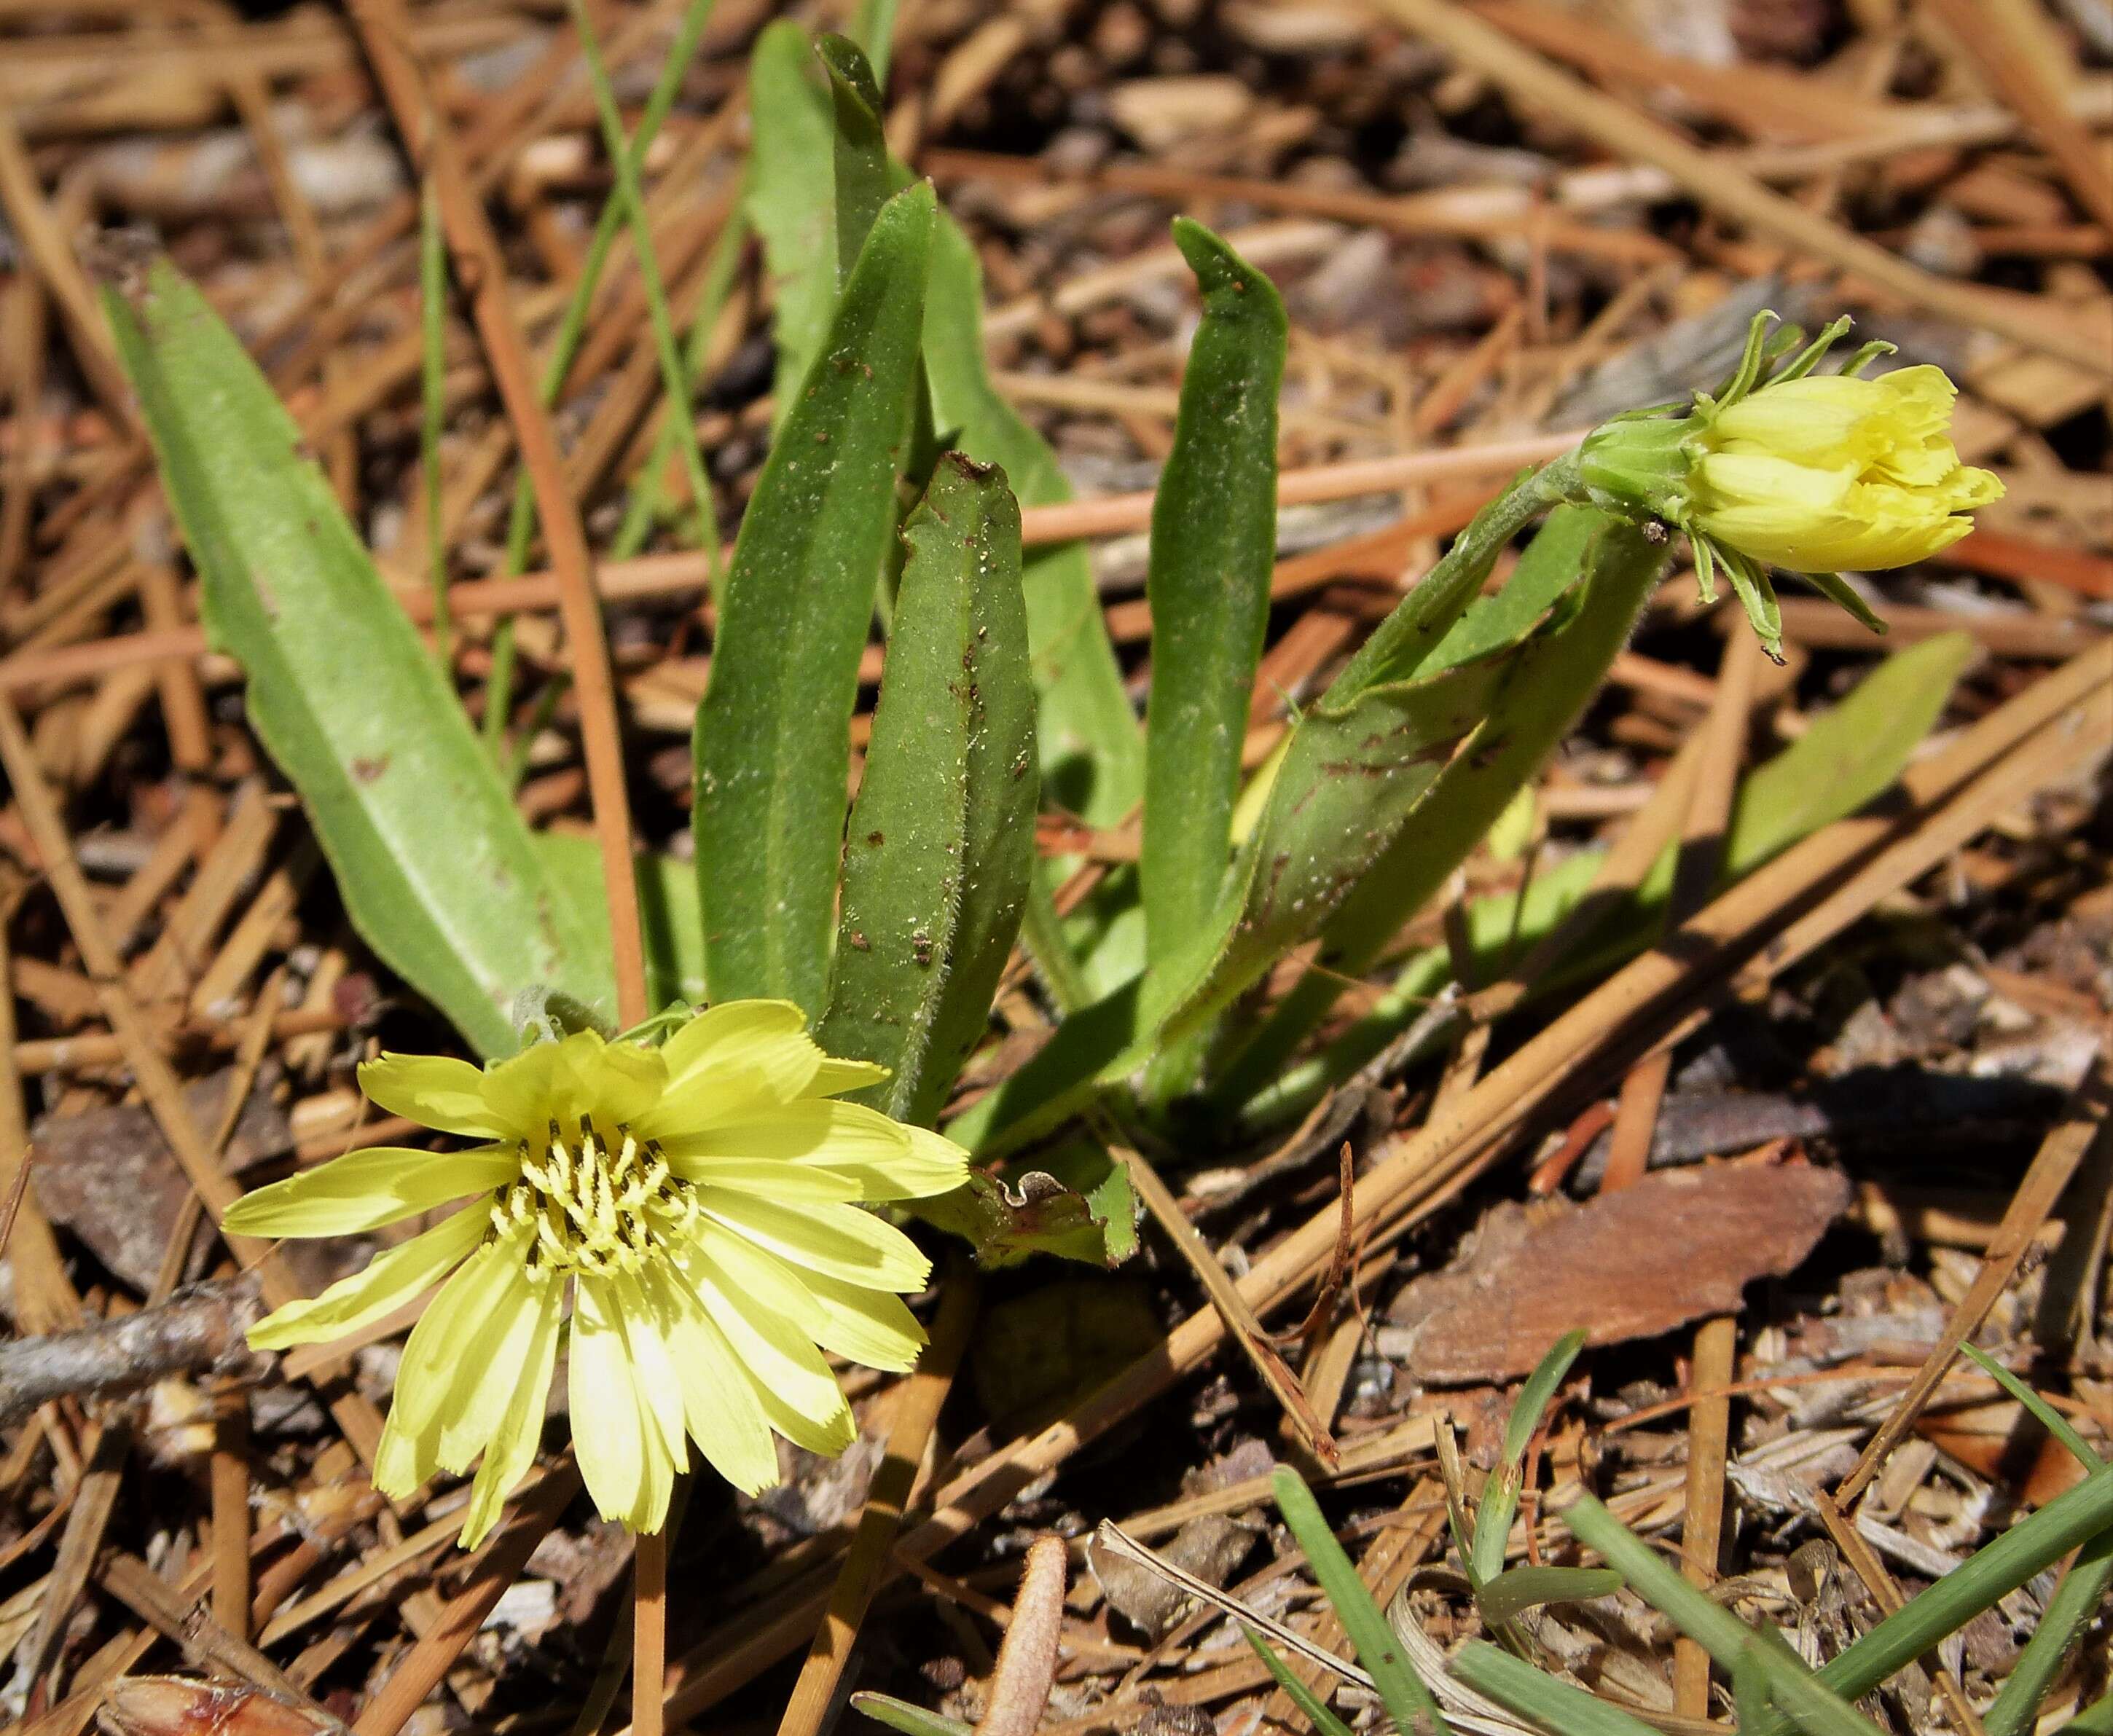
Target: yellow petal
[
  {"x": 444, "y": 1356},
  {"x": 836, "y": 1075},
  {"x": 888, "y": 1159},
  {"x": 520, "y": 1430},
  {"x": 794, "y": 1184},
  {"x": 719, "y": 1405},
  {"x": 731, "y": 1060},
  {"x": 652, "y": 1366},
  {"x": 390, "y": 1281},
  {"x": 798, "y": 1391},
  {"x": 622, "y": 1458},
  {"x": 873, "y": 1327},
  {"x": 935, "y": 1165},
  {"x": 493, "y": 1366},
  {"x": 615, "y": 1083},
  {"x": 436, "y": 1091},
  {"x": 840, "y": 1241},
  {"x": 403, "y": 1459},
  {"x": 364, "y": 1190}
]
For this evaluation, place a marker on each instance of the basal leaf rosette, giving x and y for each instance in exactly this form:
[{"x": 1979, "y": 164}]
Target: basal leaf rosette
[
  {"x": 1813, "y": 473},
  {"x": 698, "y": 1210}
]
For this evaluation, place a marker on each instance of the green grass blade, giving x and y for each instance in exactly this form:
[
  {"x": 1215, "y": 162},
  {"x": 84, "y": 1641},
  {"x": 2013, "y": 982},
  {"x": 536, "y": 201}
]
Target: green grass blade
[
  {"x": 631, "y": 201},
  {"x": 433, "y": 408},
  {"x": 565, "y": 346},
  {"x": 900, "y": 1715},
  {"x": 2044, "y": 1413},
  {"x": 941, "y": 845},
  {"x": 1379, "y": 1650},
  {"x": 2076, "y": 1602},
  {"x": 1504, "y": 1595},
  {"x": 1991, "y": 1572},
  {"x": 1309, "y": 1703},
  {"x": 648, "y": 504},
  {"x": 1555, "y": 1706},
  {"x": 1213, "y": 547},
  {"x": 1501, "y": 1498},
  {"x": 437, "y": 871},
  {"x": 772, "y": 744}
]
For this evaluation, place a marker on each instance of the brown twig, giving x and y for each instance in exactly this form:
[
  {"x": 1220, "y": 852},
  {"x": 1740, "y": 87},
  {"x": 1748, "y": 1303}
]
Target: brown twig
[{"x": 197, "y": 1331}]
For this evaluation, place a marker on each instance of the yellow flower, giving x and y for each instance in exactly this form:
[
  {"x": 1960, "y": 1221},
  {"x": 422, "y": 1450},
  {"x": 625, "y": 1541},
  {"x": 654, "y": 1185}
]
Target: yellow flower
[
  {"x": 1783, "y": 467},
  {"x": 1828, "y": 471},
  {"x": 700, "y": 1204}
]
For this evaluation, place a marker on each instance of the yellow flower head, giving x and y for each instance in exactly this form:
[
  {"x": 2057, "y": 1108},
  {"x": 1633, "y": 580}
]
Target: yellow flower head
[
  {"x": 1829, "y": 470},
  {"x": 700, "y": 1204},
  {"x": 1809, "y": 472}
]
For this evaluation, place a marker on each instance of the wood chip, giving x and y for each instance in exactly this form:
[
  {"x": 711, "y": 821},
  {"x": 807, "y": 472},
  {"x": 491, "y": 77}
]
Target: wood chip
[{"x": 1677, "y": 1246}]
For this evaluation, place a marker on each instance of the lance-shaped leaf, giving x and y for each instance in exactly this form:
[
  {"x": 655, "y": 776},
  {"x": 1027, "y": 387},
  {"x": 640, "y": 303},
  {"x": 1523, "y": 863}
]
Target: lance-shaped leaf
[
  {"x": 773, "y": 742},
  {"x": 941, "y": 838},
  {"x": 789, "y": 200},
  {"x": 1092, "y": 752},
  {"x": 1213, "y": 545},
  {"x": 437, "y": 872},
  {"x": 860, "y": 153},
  {"x": 1353, "y": 777},
  {"x": 1547, "y": 680}
]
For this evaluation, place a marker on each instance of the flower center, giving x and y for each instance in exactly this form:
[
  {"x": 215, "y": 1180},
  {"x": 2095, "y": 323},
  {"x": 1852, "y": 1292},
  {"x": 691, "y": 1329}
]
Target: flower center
[{"x": 593, "y": 1204}]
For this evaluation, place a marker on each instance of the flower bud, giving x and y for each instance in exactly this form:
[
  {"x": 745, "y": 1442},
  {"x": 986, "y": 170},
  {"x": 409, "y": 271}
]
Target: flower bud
[{"x": 1806, "y": 472}]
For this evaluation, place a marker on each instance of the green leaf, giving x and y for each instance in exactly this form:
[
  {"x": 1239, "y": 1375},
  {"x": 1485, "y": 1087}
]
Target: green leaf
[
  {"x": 1556, "y": 1706},
  {"x": 437, "y": 872},
  {"x": 1092, "y": 752},
  {"x": 1080, "y": 1206},
  {"x": 900, "y": 1715},
  {"x": 2072, "y": 1519},
  {"x": 1310, "y": 1705},
  {"x": 1503, "y": 1597},
  {"x": 1849, "y": 755},
  {"x": 861, "y": 150},
  {"x": 1213, "y": 547},
  {"x": 1359, "y": 763},
  {"x": 941, "y": 839},
  {"x": 1540, "y": 683},
  {"x": 773, "y": 741},
  {"x": 667, "y": 909},
  {"x": 1409, "y": 1702},
  {"x": 791, "y": 200}
]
